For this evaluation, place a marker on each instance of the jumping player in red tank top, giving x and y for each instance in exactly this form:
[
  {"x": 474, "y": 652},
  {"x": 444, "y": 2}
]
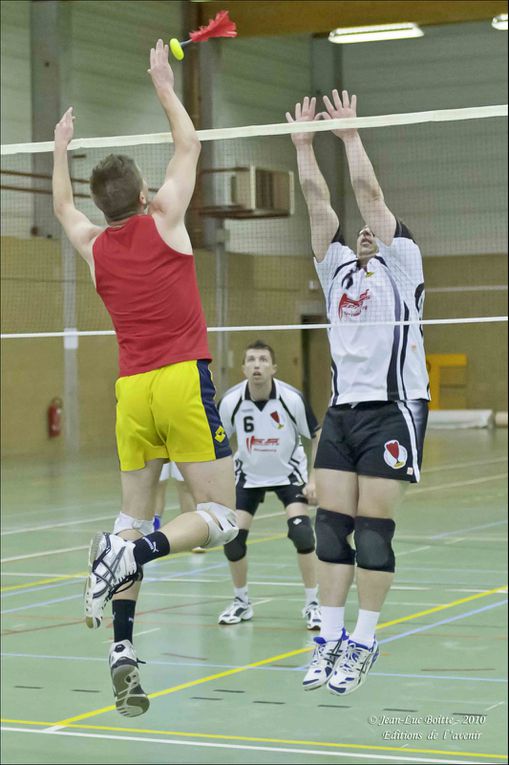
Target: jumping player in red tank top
[{"x": 143, "y": 268}]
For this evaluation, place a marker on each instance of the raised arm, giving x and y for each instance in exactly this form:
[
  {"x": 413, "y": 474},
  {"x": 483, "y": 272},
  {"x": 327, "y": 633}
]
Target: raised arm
[
  {"x": 322, "y": 218},
  {"x": 368, "y": 194},
  {"x": 80, "y": 231},
  {"x": 174, "y": 196}
]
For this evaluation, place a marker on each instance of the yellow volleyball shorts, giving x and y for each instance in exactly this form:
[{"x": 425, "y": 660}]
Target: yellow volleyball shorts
[{"x": 169, "y": 413}]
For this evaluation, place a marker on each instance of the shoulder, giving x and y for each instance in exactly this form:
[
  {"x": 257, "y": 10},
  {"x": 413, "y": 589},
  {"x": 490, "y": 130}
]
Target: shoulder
[
  {"x": 234, "y": 393},
  {"x": 289, "y": 393},
  {"x": 403, "y": 232},
  {"x": 338, "y": 255},
  {"x": 403, "y": 245}
]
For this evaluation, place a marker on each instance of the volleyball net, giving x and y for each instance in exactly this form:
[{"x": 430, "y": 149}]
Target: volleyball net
[{"x": 443, "y": 173}]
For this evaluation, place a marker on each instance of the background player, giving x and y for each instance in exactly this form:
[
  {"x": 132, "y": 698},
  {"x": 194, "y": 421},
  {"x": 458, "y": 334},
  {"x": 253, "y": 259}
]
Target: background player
[
  {"x": 373, "y": 432},
  {"x": 268, "y": 418},
  {"x": 143, "y": 269}
]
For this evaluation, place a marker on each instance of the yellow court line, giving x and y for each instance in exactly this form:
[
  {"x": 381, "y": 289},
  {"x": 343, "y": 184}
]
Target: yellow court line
[
  {"x": 229, "y": 672},
  {"x": 60, "y": 578},
  {"x": 63, "y": 577},
  {"x": 259, "y": 740},
  {"x": 442, "y": 607}
]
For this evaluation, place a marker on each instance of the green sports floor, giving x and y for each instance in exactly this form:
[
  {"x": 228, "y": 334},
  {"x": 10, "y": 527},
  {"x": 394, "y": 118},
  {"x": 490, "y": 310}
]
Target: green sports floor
[{"x": 233, "y": 693}]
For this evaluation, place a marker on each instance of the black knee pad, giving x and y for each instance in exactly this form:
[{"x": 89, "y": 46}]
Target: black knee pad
[
  {"x": 332, "y": 530},
  {"x": 236, "y": 549},
  {"x": 300, "y": 531},
  {"x": 373, "y": 538}
]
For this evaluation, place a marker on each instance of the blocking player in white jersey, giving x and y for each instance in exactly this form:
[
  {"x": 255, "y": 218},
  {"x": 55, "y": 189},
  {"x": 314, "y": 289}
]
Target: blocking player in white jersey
[
  {"x": 373, "y": 432},
  {"x": 268, "y": 418}
]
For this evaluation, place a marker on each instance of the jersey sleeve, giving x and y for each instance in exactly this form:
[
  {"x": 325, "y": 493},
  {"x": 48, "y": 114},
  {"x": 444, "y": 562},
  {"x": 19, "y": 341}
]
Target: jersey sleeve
[
  {"x": 336, "y": 256},
  {"x": 403, "y": 256},
  {"x": 307, "y": 423}
]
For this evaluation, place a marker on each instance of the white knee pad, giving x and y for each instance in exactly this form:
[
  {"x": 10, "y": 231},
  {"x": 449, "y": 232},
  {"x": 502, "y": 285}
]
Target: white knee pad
[
  {"x": 226, "y": 530},
  {"x": 126, "y": 522}
]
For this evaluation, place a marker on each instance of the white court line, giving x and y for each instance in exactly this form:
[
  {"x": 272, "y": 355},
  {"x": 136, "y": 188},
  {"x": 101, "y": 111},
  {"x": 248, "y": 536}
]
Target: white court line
[
  {"x": 476, "y": 463},
  {"x": 43, "y": 554},
  {"x": 457, "y": 484},
  {"x": 415, "y": 549},
  {"x": 32, "y": 529},
  {"x": 135, "y": 634},
  {"x": 498, "y": 704},
  {"x": 56, "y": 731}
]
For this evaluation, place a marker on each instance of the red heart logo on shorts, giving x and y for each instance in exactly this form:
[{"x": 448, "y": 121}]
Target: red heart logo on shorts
[{"x": 393, "y": 448}]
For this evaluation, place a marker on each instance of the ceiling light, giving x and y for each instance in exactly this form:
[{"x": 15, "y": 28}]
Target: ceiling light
[
  {"x": 374, "y": 33},
  {"x": 500, "y": 22}
]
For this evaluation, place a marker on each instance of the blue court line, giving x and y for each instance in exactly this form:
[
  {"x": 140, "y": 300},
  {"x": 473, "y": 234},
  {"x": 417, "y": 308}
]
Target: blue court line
[
  {"x": 73, "y": 597},
  {"x": 470, "y": 528},
  {"x": 442, "y": 621},
  {"x": 80, "y": 581},
  {"x": 38, "y": 588},
  {"x": 211, "y": 665},
  {"x": 38, "y": 605}
]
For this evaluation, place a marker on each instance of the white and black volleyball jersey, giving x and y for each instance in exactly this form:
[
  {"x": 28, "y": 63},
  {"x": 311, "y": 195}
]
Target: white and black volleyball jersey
[
  {"x": 375, "y": 363},
  {"x": 269, "y": 448}
]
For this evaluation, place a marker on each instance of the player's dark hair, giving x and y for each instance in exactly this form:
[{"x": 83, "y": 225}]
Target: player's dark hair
[
  {"x": 259, "y": 345},
  {"x": 115, "y": 184}
]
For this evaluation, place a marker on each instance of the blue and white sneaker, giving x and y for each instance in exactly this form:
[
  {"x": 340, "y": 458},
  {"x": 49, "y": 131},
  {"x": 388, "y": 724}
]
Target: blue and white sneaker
[
  {"x": 239, "y": 611},
  {"x": 352, "y": 669},
  {"x": 325, "y": 656},
  {"x": 312, "y": 615},
  {"x": 157, "y": 522}
]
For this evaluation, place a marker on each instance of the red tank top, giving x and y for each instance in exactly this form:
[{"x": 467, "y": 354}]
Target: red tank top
[{"x": 151, "y": 294}]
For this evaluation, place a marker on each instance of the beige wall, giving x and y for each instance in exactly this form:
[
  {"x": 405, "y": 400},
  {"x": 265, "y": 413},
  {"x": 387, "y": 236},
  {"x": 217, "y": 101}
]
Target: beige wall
[{"x": 262, "y": 290}]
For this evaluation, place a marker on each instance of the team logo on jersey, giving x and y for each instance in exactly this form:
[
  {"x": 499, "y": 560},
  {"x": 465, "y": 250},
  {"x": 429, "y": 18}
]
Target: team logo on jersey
[
  {"x": 261, "y": 444},
  {"x": 277, "y": 420},
  {"x": 350, "y": 307},
  {"x": 395, "y": 455},
  {"x": 220, "y": 435}
]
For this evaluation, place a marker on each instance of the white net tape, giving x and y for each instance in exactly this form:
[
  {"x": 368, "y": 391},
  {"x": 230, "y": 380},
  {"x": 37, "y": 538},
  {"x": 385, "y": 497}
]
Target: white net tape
[{"x": 250, "y": 131}]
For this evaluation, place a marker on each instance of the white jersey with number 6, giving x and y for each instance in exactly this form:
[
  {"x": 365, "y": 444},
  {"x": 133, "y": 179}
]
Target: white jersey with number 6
[{"x": 269, "y": 448}]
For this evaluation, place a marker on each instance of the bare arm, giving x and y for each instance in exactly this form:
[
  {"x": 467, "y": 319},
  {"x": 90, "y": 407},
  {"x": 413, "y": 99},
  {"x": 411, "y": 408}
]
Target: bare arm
[
  {"x": 173, "y": 198},
  {"x": 323, "y": 220},
  {"x": 79, "y": 229},
  {"x": 368, "y": 194}
]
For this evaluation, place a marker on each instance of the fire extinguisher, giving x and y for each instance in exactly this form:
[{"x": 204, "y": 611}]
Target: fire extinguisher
[{"x": 55, "y": 417}]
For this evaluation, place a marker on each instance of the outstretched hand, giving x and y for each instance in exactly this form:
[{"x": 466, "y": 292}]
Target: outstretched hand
[
  {"x": 305, "y": 112},
  {"x": 160, "y": 69},
  {"x": 64, "y": 130},
  {"x": 342, "y": 108}
]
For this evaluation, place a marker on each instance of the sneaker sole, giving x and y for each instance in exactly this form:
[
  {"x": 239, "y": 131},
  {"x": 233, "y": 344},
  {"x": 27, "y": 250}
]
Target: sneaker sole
[
  {"x": 313, "y": 627},
  {"x": 125, "y": 679},
  {"x": 314, "y": 686},
  {"x": 238, "y": 620},
  {"x": 92, "y": 622}
]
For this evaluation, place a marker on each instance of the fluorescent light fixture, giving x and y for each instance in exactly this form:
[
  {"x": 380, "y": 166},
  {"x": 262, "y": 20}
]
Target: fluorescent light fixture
[
  {"x": 500, "y": 22},
  {"x": 374, "y": 33}
]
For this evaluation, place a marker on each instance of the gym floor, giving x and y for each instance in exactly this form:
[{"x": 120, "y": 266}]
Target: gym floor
[{"x": 233, "y": 693}]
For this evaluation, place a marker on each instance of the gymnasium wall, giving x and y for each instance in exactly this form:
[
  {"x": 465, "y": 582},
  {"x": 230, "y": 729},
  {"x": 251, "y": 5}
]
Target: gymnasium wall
[
  {"x": 463, "y": 240},
  {"x": 32, "y": 370}
]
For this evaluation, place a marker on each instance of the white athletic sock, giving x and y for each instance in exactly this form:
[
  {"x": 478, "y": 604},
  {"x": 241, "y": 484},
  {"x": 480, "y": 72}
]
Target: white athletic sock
[
  {"x": 364, "y": 631},
  {"x": 241, "y": 592},
  {"x": 311, "y": 595},
  {"x": 333, "y": 621}
]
